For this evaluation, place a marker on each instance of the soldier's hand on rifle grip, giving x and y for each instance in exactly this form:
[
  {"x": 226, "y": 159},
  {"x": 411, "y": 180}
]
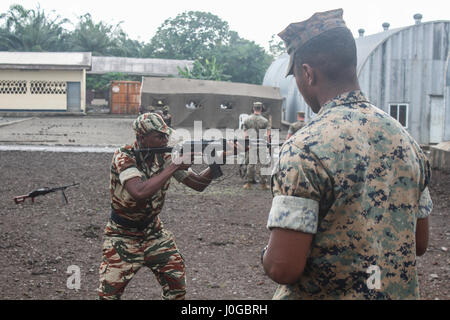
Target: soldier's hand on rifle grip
[
  {"x": 231, "y": 148},
  {"x": 183, "y": 161}
]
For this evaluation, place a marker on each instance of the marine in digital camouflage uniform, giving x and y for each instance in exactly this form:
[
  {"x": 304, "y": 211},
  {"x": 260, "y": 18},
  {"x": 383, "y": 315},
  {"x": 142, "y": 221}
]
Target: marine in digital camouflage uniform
[
  {"x": 252, "y": 126},
  {"x": 351, "y": 202},
  {"x": 135, "y": 236},
  {"x": 300, "y": 123}
]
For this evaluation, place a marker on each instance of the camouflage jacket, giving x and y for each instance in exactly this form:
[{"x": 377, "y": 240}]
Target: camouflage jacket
[
  {"x": 355, "y": 179},
  {"x": 127, "y": 164},
  {"x": 293, "y": 128},
  {"x": 255, "y": 122}
]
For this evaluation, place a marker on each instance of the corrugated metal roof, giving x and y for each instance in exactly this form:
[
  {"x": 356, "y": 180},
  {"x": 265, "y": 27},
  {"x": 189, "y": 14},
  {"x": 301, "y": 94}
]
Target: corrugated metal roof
[
  {"x": 44, "y": 60},
  {"x": 145, "y": 67},
  {"x": 366, "y": 45}
]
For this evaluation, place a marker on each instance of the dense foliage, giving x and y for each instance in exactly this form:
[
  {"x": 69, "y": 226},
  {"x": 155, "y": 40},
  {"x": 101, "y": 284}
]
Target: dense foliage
[{"x": 219, "y": 53}]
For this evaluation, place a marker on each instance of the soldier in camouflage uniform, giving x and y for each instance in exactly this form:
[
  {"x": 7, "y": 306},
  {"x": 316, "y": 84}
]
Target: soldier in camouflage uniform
[
  {"x": 252, "y": 126},
  {"x": 135, "y": 236},
  {"x": 300, "y": 123},
  {"x": 351, "y": 202}
]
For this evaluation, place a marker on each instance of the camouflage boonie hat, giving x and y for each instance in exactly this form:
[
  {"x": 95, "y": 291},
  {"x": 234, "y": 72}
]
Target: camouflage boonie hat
[
  {"x": 297, "y": 34},
  {"x": 150, "y": 121}
]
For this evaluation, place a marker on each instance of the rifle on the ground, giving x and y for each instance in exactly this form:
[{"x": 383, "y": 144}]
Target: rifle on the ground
[{"x": 43, "y": 191}]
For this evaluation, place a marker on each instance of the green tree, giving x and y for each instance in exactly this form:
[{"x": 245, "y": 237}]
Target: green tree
[
  {"x": 32, "y": 30},
  {"x": 98, "y": 38},
  {"x": 210, "y": 70},
  {"x": 100, "y": 82},
  {"x": 243, "y": 60},
  {"x": 190, "y": 35},
  {"x": 276, "y": 47},
  {"x": 126, "y": 47},
  {"x": 203, "y": 36}
]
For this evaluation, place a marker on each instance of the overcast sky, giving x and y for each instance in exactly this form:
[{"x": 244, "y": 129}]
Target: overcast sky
[{"x": 253, "y": 20}]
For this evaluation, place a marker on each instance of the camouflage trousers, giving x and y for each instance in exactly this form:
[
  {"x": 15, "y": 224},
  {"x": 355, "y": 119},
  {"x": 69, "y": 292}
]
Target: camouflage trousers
[
  {"x": 254, "y": 170},
  {"x": 126, "y": 250}
]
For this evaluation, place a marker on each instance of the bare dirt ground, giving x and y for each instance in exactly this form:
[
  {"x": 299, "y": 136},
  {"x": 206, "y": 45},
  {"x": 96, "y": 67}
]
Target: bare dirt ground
[{"x": 220, "y": 232}]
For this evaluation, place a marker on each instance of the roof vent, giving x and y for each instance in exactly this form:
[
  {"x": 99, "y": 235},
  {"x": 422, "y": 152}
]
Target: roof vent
[
  {"x": 418, "y": 18},
  {"x": 361, "y": 32},
  {"x": 386, "y": 26}
]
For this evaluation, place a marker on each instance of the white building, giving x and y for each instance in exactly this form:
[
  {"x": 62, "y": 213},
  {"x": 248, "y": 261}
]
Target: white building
[{"x": 43, "y": 81}]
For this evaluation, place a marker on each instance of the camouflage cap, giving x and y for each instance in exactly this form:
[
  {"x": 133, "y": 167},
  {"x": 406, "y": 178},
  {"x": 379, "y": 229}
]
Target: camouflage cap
[
  {"x": 298, "y": 34},
  {"x": 301, "y": 114},
  {"x": 257, "y": 104},
  {"x": 150, "y": 121}
]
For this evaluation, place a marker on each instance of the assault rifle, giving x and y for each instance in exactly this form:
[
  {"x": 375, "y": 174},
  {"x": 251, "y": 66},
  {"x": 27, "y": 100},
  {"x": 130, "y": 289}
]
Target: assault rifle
[
  {"x": 43, "y": 191},
  {"x": 210, "y": 147},
  {"x": 213, "y": 145}
]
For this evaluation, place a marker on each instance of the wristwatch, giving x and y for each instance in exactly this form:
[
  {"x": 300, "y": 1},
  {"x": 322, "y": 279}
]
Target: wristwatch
[{"x": 262, "y": 254}]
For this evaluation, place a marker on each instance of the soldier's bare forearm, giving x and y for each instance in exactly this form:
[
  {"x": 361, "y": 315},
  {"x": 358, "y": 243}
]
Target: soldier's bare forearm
[
  {"x": 200, "y": 181},
  {"x": 142, "y": 190}
]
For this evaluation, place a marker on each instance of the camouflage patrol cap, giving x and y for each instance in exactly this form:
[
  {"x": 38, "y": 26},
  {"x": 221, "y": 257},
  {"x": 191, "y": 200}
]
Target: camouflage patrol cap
[
  {"x": 257, "y": 104},
  {"x": 301, "y": 114},
  {"x": 298, "y": 34},
  {"x": 148, "y": 122}
]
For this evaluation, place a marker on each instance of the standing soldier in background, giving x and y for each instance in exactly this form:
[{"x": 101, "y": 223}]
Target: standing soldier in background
[
  {"x": 166, "y": 115},
  {"x": 161, "y": 108},
  {"x": 351, "y": 199},
  {"x": 256, "y": 122},
  {"x": 300, "y": 123}
]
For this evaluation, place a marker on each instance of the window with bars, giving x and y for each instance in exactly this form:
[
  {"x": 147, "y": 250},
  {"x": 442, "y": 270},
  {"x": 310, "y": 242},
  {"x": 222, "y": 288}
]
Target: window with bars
[
  {"x": 48, "y": 87},
  {"x": 399, "y": 111},
  {"x": 13, "y": 87}
]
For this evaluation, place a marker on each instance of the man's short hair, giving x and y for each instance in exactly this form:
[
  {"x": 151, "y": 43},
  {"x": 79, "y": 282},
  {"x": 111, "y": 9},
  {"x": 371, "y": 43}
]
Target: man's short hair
[{"x": 332, "y": 52}]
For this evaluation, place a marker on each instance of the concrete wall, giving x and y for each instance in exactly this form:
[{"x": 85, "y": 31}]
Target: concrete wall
[
  {"x": 42, "y": 98},
  {"x": 139, "y": 66},
  {"x": 209, "y": 96},
  {"x": 440, "y": 156}
]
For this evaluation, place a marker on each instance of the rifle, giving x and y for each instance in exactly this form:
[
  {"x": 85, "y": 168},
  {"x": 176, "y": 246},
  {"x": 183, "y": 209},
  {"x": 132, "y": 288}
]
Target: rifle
[
  {"x": 43, "y": 191},
  {"x": 219, "y": 145},
  {"x": 193, "y": 146}
]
